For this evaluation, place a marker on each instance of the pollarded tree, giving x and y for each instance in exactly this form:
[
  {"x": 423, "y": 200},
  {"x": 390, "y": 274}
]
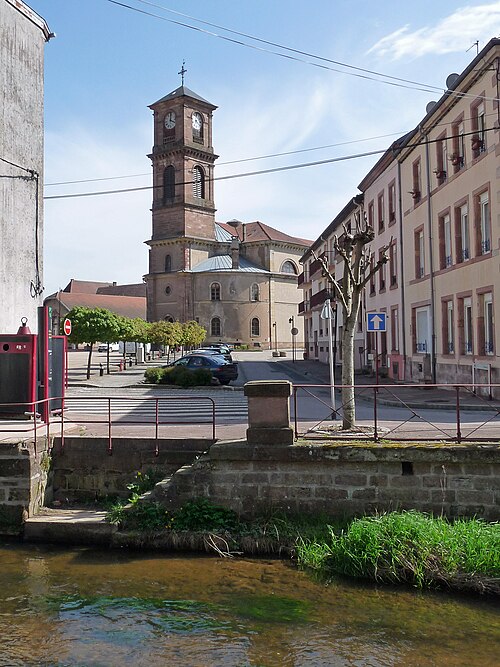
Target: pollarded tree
[
  {"x": 92, "y": 325},
  {"x": 166, "y": 334},
  {"x": 359, "y": 267}
]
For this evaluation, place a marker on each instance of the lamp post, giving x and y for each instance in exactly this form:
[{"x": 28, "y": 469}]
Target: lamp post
[
  {"x": 294, "y": 332},
  {"x": 275, "y": 329}
]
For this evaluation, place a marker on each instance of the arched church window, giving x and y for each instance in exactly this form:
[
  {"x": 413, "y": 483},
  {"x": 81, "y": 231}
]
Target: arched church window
[
  {"x": 215, "y": 292},
  {"x": 168, "y": 183},
  {"x": 255, "y": 328},
  {"x": 168, "y": 263},
  {"x": 197, "y": 123},
  {"x": 289, "y": 267},
  {"x": 254, "y": 292},
  {"x": 198, "y": 183},
  {"x": 168, "y": 318},
  {"x": 215, "y": 327}
]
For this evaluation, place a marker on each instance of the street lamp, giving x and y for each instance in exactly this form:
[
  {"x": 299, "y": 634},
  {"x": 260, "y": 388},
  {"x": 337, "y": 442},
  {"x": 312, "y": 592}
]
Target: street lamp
[
  {"x": 275, "y": 329},
  {"x": 294, "y": 332}
]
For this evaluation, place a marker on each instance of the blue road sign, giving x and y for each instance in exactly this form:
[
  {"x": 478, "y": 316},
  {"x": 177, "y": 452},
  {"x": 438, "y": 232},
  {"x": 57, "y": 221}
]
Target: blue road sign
[{"x": 376, "y": 322}]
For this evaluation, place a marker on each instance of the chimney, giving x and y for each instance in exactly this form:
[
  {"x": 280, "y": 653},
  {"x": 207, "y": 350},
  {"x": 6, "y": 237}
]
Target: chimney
[{"x": 235, "y": 253}]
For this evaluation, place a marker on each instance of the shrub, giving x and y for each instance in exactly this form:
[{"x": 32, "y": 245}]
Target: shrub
[
  {"x": 153, "y": 375},
  {"x": 201, "y": 514}
]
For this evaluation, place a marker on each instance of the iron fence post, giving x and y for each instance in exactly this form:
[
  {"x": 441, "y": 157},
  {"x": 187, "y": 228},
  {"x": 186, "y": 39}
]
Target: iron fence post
[
  {"x": 459, "y": 432},
  {"x": 110, "y": 442},
  {"x": 375, "y": 425},
  {"x": 157, "y": 451},
  {"x": 295, "y": 420}
]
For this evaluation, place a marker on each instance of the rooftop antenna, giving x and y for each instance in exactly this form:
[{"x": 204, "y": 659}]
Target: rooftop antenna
[
  {"x": 476, "y": 44},
  {"x": 183, "y": 70}
]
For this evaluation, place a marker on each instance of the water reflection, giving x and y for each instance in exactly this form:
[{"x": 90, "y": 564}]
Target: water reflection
[{"x": 81, "y": 607}]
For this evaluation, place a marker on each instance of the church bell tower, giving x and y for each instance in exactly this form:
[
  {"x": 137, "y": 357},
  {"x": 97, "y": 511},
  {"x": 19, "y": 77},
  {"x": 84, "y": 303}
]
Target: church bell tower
[{"x": 183, "y": 164}]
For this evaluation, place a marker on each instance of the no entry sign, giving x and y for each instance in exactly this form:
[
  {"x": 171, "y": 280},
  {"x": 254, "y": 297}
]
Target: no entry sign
[{"x": 67, "y": 327}]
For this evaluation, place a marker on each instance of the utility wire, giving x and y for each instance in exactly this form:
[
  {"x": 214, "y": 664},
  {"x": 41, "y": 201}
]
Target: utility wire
[
  {"x": 268, "y": 171},
  {"x": 261, "y": 157},
  {"x": 426, "y": 88}
]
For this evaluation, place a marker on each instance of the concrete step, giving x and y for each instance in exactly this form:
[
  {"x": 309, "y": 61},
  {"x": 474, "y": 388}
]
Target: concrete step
[{"x": 70, "y": 526}]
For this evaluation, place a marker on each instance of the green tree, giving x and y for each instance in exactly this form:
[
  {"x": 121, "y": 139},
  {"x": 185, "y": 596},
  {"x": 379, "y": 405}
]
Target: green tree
[
  {"x": 193, "y": 334},
  {"x": 165, "y": 334},
  {"x": 92, "y": 325}
]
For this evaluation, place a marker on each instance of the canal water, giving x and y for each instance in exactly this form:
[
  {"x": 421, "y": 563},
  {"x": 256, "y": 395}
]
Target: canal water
[{"x": 88, "y": 608}]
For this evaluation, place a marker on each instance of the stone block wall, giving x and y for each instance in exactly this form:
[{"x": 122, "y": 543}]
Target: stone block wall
[
  {"x": 343, "y": 480},
  {"x": 84, "y": 470},
  {"x": 23, "y": 481}
]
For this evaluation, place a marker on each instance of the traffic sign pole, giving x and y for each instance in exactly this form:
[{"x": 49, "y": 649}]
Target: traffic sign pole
[{"x": 326, "y": 314}]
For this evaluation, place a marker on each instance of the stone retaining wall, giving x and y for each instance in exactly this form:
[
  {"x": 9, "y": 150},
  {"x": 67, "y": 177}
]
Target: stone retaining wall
[
  {"x": 84, "y": 469},
  {"x": 23, "y": 481},
  {"x": 343, "y": 480}
]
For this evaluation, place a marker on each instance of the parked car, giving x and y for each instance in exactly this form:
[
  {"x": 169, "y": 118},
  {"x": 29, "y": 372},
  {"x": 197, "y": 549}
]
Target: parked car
[
  {"x": 113, "y": 347},
  {"x": 221, "y": 347},
  {"x": 212, "y": 351},
  {"x": 224, "y": 371}
]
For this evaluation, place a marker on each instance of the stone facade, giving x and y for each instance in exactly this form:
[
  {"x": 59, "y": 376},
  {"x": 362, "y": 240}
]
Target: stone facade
[
  {"x": 22, "y": 39},
  {"x": 239, "y": 281}
]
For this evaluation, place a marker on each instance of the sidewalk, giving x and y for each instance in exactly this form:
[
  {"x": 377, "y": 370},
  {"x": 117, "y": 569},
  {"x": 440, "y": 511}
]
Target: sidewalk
[{"x": 390, "y": 393}]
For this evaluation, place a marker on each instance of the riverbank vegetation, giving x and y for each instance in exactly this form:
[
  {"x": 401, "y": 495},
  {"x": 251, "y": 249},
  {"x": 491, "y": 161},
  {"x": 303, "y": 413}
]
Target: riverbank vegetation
[{"x": 398, "y": 547}]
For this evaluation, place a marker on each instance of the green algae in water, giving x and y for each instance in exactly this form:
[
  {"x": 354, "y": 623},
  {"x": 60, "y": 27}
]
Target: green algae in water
[
  {"x": 271, "y": 609},
  {"x": 173, "y": 616}
]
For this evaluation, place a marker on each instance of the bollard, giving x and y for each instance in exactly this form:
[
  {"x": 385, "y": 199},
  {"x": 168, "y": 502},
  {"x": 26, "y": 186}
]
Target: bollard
[
  {"x": 101, "y": 370},
  {"x": 121, "y": 364}
]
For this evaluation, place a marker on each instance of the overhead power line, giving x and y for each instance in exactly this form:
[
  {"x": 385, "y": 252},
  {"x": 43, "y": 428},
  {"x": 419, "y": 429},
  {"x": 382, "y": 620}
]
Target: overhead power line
[
  {"x": 360, "y": 72},
  {"x": 264, "y": 171}
]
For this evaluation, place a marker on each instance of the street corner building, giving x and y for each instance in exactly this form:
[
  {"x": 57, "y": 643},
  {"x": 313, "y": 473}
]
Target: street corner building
[
  {"x": 238, "y": 280},
  {"x": 23, "y": 35}
]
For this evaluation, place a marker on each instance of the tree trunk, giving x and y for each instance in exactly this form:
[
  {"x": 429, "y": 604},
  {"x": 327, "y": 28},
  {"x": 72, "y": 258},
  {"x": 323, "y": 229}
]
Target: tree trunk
[
  {"x": 348, "y": 405},
  {"x": 107, "y": 360}
]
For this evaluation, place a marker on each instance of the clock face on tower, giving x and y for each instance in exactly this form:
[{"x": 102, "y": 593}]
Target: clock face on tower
[
  {"x": 197, "y": 121},
  {"x": 170, "y": 120}
]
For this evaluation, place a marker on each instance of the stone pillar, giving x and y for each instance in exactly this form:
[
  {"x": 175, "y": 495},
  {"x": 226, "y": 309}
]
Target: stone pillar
[{"x": 269, "y": 412}]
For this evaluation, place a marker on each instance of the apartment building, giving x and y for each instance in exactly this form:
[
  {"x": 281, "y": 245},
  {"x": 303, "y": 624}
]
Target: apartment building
[
  {"x": 450, "y": 193},
  {"x": 317, "y": 288},
  {"x": 433, "y": 198}
]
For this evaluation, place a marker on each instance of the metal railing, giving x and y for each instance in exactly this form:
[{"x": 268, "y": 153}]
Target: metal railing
[
  {"x": 392, "y": 427},
  {"x": 153, "y": 415}
]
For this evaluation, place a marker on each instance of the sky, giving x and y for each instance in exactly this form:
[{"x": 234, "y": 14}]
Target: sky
[{"x": 108, "y": 62}]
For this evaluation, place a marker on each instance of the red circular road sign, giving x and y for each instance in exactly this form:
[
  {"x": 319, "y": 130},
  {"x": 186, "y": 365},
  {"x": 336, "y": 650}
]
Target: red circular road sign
[{"x": 67, "y": 327}]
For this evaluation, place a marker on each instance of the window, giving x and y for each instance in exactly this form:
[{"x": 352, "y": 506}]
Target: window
[
  {"x": 215, "y": 292},
  {"x": 168, "y": 183},
  {"x": 441, "y": 159},
  {"x": 484, "y": 241},
  {"x": 380, "y": 207},
  {"x": 381, "y": 271},
  {"x": 465, "y": 325},
  {"x": 462, "y": 233},
  {"x": 457, "y": 158},
  {"x": 168, "y": 290},
  {"x": 392, "y": 203},
  {"x": 419, "y": 254},
  {"x": 371, "y": 215},
  {"x": 393, "y": 263},
  {"x": 447, "y": 327},
  {"x": 255, "y": 327},
  {"x": 486, "y": 325},
  {"x": 479, "y": 129},
  {"x": 197, "y": 122},
  {"x": 289, "y": 267},
  {"x": 254, "y": 292},
  {"x": 168, "y": 263},
  {"x": 215, "y": 327},
  {"x": 198, "y": 183},
  {"x": 445, "y": 257},
  {"x": 394, "y": 329},
  {"x": 416, "y": 193},
  {"x": 422, "y": 330}
]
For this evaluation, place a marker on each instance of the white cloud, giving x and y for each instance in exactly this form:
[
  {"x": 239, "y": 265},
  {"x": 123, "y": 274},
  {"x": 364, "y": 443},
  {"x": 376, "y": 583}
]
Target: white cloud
[{"x": 454, "y": 33}]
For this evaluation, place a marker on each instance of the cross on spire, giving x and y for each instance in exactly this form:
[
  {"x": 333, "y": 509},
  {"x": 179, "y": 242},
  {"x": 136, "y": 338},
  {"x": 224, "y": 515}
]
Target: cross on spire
[{"x": 182, "y": 71}]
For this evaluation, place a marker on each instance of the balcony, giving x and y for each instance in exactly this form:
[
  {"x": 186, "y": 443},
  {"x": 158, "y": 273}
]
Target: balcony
[
  {"x": 485, "y": 246},
  {"x": 314, "y": 267},
  {"x": 319, "y": 298},
  {"x": 303, "y": 307},
  {"x": 303, "y": 278}
]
